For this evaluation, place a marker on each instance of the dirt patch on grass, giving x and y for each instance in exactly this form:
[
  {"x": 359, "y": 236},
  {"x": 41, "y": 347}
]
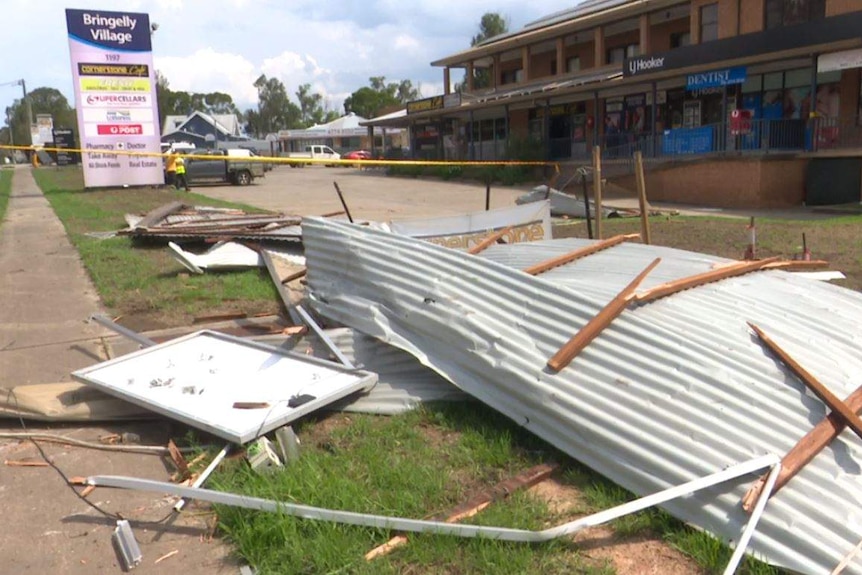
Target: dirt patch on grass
[{"x": 635, "y": 555}]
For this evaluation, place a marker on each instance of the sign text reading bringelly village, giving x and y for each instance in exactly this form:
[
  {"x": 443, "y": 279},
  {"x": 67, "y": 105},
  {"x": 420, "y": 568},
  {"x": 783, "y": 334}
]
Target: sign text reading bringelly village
[{"x": 115, "y": 96}]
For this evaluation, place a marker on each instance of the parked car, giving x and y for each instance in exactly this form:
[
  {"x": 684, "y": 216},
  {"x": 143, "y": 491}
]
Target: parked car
[
  {"x": 357, "y": 155},
  {"x": 313, "y": 153},
  {"x": 223, "y": 166}
]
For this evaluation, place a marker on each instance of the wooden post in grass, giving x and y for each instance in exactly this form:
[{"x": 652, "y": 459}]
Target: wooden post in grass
[
  {"x": 642, "y": 199},
  {"x": 597, "y": 188}
]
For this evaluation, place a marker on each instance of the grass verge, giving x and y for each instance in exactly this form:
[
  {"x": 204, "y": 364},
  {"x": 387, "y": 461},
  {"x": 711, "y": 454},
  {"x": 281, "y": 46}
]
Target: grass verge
[
  {"x": 421, "y": 464},
  {"x": 413, "y": 465},
  {"x": 835, "y": 239},
  {"x": 5, "y": 191},
  {"x": 139, "y": 281}
]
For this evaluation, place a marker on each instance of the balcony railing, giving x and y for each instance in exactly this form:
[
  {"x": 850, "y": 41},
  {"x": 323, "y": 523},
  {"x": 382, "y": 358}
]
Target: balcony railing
[{"x": 753, "y": 136}]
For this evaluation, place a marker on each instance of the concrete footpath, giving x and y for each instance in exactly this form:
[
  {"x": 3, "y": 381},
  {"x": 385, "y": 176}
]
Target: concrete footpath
[{"x": 45, "y": 300}]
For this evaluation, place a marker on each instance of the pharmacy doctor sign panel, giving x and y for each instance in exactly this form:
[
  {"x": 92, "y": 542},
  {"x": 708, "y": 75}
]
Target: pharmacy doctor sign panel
[{"x": 115, "y": 96}]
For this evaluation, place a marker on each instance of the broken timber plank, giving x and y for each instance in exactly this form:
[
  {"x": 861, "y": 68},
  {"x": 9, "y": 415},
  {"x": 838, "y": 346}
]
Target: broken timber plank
[
  {"x": 487, "y": 242},
  {"x": 596, "y": 325},
  {"x": 805, "y": 450},
  {"x": 295, "y": 276},
  {"x": 154, "y": 216},
  {"x": 811, "y": 382},
  {"x": 797, "y": 265},
  {"x": 842, "y": 415},
  {"x": 640, "y": 179},
  {"x": 724, "y": 272},
  {"x": 471, "y": 507},
  {"x": 564, "y": 259}
]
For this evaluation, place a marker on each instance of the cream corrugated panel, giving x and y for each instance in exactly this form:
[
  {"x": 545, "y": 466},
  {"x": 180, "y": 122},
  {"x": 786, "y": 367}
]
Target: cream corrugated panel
[{"x": 672, "y": 390}]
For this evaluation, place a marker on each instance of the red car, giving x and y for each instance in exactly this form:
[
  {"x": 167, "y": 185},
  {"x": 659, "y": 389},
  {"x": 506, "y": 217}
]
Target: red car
[{"x": 357, "y": 155}]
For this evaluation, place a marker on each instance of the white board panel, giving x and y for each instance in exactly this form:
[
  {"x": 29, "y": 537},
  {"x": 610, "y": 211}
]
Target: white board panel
[{"x": 198, "y": 378}]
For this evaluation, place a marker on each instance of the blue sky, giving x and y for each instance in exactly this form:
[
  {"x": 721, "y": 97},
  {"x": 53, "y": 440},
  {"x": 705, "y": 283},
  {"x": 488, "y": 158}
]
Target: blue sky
[{"x": 224, "y": 45}]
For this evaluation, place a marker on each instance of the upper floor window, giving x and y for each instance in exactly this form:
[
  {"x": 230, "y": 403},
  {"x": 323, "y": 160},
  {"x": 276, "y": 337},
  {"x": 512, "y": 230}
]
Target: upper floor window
[
  {"x": 619, "y": 54},
  {"x": 709, "y": 22},
  {"x": 788, "y": 12},
  {"x": 512, "y": 76},
  {"x": 680, "y": 39},
  {"x": 573, "y": 64}
]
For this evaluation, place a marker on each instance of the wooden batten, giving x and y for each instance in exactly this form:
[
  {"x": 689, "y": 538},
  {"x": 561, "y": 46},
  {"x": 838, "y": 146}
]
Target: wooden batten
[
  {"x": 489, "y": 241},
  {"x": 598, "y": 324},
  {"x": 564, "y": 259},
  {"x": 724, "y": 272}
]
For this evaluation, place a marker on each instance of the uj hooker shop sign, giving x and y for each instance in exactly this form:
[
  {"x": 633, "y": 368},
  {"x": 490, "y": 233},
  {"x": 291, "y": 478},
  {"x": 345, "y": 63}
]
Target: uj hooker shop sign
[
  {"x": 115, "y": 95},
  {"x": 716, "y": 78}
]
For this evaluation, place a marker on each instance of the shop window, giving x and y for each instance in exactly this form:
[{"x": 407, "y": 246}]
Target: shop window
[
  {"x": 680, "y": 39},
  {"x": 512, "y": 76},
  {"x": 500, "y": 129},
  {"x": 774, "y": 81},
  {"x": 573, "y": 64},
  {"x": 487, "y": 130},
  {"x": 789, "y": 12},
  {"x": 753, "y": 84},
  {"x": 797, "y": 78},
  {"x": 709, "y": 23},
  {"x": 619, "y": 54}
]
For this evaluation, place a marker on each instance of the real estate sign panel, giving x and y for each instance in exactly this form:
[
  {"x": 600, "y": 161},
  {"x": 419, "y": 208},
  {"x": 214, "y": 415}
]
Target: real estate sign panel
[{"x": 115, "y": 95}]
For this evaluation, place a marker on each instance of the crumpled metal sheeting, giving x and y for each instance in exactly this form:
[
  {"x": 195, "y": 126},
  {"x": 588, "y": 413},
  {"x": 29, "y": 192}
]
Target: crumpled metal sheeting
[
  {"x": 667, "y": 392},
  {"x": 403, "y": 384}
]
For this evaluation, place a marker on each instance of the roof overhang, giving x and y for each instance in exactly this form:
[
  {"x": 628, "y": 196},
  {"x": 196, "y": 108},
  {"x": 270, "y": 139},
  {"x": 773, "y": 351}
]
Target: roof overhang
[{"x": 634, "y": 8}]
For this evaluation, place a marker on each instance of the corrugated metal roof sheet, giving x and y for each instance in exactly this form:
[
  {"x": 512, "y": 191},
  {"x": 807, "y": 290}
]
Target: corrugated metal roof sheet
[
  {"x": 402, "y": 382},
  {"x": 672, "y": 390}
]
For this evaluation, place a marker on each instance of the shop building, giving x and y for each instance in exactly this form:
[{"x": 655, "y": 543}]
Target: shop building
[{"x": 743, "y": 81}]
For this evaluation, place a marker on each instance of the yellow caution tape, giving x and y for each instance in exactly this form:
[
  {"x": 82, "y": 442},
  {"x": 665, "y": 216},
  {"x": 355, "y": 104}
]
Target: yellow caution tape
[{"x": 280, "y": 160}]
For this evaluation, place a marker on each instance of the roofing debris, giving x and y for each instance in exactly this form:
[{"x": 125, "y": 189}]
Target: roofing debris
[
  {"x": 193, "y": 379},
  {"x": 563, "y": 204},
  {"x": 675, "y": 374},
  {"x": 670, "y": 390},
  {"x": 176, "y": 220}
]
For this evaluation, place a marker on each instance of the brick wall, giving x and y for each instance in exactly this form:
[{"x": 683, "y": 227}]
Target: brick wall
[
  {"x": 661, "y": 33},
  {"x": 727, "y": 183},
  {"x": 585, "y": 51},
  {"x": 835, "y": 7},
  {"x": 540, "y": 64},
  {"x": 752, "y": 15},
  {"x": 620, "y": 40},
  {"x": 727, "y": 17}
]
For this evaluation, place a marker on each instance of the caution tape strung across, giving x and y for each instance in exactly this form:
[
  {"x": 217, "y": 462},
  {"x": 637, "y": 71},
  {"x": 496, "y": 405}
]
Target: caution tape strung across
[{"x": 279, "y": 160}]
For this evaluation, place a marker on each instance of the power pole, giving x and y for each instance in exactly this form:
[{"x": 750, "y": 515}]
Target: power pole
[{"x": 29, "y": 110}]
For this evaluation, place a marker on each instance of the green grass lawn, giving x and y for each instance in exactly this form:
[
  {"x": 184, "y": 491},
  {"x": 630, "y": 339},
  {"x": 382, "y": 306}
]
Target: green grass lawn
[
  {"x": 139, "y": 280},
  {"x": 5, "y": 190},
  {"x": 837, "y": 240},
  {"x": 422, "y": 464}
]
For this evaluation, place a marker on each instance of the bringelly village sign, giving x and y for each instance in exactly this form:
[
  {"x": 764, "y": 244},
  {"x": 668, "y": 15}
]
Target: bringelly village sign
[{"x": 115, "y": 97}]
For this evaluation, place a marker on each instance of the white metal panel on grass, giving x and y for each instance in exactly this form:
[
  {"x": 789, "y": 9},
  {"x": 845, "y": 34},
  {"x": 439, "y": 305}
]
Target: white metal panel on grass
[
  {"x": 669, "y": 390},
  {"x": 197, "y": 379}
]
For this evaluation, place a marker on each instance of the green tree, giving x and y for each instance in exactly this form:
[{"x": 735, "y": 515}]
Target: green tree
[
  {"x": 274, "y": 108},
  {"x": 178, "y": 103},
  {"x": 310, "y": 106},
  {"x": 368, "y": 101},
  {"x": 492, "y": 24},
  {"x": 42, "y": 101}
]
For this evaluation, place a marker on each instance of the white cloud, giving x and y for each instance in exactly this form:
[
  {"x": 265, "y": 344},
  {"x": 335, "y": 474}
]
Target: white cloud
[
  {"x": 224, "y": 45},
  {"x": 209, "y": 71}
]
